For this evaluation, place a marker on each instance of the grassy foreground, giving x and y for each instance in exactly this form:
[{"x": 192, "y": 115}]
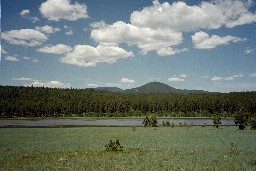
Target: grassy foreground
[{"x": 197, "y": 148}]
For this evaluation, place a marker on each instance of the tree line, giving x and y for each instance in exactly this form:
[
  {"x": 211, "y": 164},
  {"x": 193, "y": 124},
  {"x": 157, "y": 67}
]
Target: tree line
[{"x": 54, "y": 102}]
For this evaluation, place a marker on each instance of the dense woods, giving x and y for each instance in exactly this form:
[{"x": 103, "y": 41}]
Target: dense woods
[{"x": 53, "y": 102}]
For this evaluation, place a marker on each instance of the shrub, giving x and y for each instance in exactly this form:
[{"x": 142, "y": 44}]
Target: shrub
[
  {"x": 216, "y": 121},
  {"x": 241, "y": 119},
  {"x": 114, "y": 146},
  {"x": 253, "y": 122},
  {"x": 152, "y": 122}
]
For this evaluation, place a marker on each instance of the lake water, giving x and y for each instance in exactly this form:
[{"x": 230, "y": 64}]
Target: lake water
[{"x": 104, "y": 122}]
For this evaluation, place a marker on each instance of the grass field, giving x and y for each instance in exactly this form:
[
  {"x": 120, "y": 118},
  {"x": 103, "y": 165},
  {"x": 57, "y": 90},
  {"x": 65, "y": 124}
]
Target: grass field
[{"x": 162, "y": 148}]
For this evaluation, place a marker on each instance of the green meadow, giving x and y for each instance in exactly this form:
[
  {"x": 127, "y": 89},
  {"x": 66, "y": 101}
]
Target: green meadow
[{"x": 161, "y": 148}]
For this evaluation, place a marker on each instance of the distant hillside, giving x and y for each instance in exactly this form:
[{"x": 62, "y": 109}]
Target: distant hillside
[
  {"x": 108, "y": 89},
  {"x": 152, "y": 87},
  {"x": 156, "y": 87}
]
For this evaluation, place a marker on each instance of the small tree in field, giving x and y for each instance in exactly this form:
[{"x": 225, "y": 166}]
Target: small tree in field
[
  {"x": 253, "y": 122},
  {"x": 146, "y": 122},
  {"x": 114, "y": 146},
  {"x": 216, "y": 121},
  {"x": 241, "y": 119},
  {"x": 152, "y": 122}
]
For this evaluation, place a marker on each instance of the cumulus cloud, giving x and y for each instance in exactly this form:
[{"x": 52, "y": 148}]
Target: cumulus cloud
[
  {"x": 99, "y": 24},
  {"x": 25, "y": 37},
  {"x": 217, "y": 78},
  {"x": 56, "y": 10},
  {"x": 159, "y": 27},
  {"x": 202, "y": 40},
  {"x": 11, "y": 58},
  {"x": 85, "y": 55},
  {"x": 181, "y": 17},
  {"x": 22, "y": 79},
  {"x": 50, "y": 84},
  {"x": 126, "y": 80},
  {"x": 47, "y": 29},
  {"x": 146, "y": 39},
  {"x": 57, "y": 49},
  {"x": 177, "y": 78}
]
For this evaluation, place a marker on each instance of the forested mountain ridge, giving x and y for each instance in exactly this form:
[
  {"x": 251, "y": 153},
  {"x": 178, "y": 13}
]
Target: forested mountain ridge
[
  {"x": 53, "y": 102},
  {"x": 107, "y": 89},
  {"x": 157, "y": 87},
  {"x": 152, "y": 87}
]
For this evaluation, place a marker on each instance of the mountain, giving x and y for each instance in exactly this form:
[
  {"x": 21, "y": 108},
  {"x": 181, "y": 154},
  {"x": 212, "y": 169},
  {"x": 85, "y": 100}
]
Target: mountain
[
  {"x": 156, "y": 87},
  {"x": 152, "y": 87}
]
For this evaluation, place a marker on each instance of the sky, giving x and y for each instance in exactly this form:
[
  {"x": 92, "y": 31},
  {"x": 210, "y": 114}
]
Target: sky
[{"x": 202, "y": 45}]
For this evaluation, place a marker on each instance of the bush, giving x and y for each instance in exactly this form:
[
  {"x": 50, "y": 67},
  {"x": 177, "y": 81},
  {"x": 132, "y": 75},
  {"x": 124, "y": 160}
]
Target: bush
[
  {"x": 241, "y": 118},
  {"x": 152, "y": 122},
  {"x": 114, "y": 146},
  {"x": 253, "y": 122},
  {"x": 216, "y": 121}
]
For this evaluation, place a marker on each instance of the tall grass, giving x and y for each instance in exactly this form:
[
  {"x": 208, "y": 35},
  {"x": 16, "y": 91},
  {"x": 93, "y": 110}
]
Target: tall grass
[{"x": 160, "y": 148}]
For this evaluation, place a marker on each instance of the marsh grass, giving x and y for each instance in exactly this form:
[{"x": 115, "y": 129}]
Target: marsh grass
[{"x": 159, "y": 148}]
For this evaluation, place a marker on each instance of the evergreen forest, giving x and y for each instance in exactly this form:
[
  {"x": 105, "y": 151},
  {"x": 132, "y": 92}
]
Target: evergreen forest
[{"x": 54, "y": 102}]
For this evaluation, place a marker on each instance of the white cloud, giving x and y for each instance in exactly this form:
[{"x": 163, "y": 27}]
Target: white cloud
[
  {"x": 57, "y": 49},
  {"x": 47, "y": 29},
  {"x": 11, "y": 58},
  {"x": 2, "y": 50},
  {"x": 178, "y": 78},
  {"x": 85, "y": 55},
  {"x": 25, "y": 37},
  {"x": 159, "y": 27},
  {"x": 99, "y": 24},
  {"x": 248, "y": 50},
  {"x": 22, "y": 79},
  {"x": 126, "y": 80},
  {"x": 51, "y": 84},
  {"x": 146, "y": 39},
  {"x": 202, "y": 40},
  {"x": 34, "y": 19},
  {"x": 170, "y": 51},
  {"x": 253, "y": 75},
  {"x": 68, "y": 30},
  {"x": 92, "y": 85},
  {"x": 175, "y": 79},
  {"x": 56, "y": 10},
  {"x": 217, "y": 78},
  {"x": 24, "y": 12},
  {"x": 155, "y": 79},
  {"x": 181, "y": 17},
  {"x": 34, "y": 60}
]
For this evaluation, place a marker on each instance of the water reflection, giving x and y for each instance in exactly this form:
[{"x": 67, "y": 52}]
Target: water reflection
[{"x": 106, "y": 122}]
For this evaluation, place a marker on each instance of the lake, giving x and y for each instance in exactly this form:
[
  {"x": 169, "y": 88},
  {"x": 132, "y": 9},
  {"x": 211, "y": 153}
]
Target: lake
[{"x": 104, "y": 122}]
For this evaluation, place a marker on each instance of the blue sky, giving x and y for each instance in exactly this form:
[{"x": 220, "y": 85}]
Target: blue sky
[{"x": 208, "y": 45}]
